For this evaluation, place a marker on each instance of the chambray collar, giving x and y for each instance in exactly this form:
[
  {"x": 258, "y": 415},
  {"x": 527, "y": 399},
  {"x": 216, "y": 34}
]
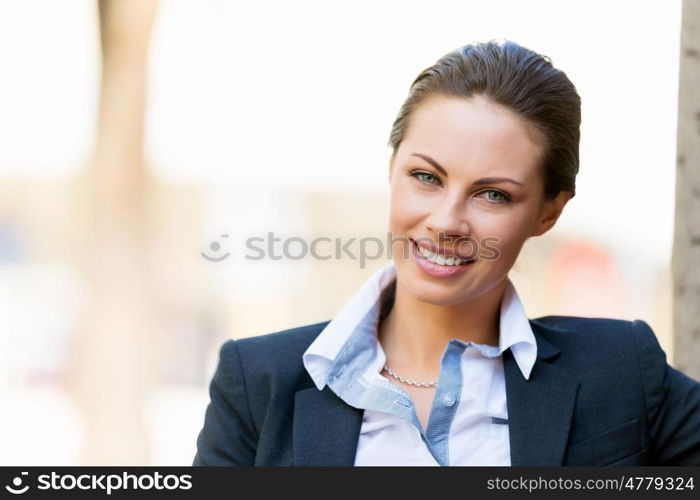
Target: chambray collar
[{"x": 358, "y": 320}]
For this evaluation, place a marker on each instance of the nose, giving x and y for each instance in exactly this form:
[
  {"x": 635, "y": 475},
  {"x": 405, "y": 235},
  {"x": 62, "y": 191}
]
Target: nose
[{"x": 448, "y": 219}]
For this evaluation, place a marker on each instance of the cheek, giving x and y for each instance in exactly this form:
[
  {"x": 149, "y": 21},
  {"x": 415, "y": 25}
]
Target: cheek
[
  {"x": 505, "y": 233},
  {"x": 406, "y": 208}
]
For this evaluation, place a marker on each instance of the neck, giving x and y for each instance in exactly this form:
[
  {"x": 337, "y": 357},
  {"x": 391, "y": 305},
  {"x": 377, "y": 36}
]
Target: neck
[{"x": 414, "y": 334}]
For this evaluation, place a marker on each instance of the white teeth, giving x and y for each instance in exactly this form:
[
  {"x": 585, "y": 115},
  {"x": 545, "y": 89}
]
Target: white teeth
[
  {"x": 440, "y": 259},
  {"x": 426, "y": 253}
]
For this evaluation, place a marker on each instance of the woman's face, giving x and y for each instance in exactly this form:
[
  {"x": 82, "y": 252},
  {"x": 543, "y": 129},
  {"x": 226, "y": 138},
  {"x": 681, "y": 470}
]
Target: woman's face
[{"x": 466, "y": 178}]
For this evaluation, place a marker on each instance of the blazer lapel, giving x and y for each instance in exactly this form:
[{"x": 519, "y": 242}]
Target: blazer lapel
[
  {"x": 325, "y": 429},
  {"x": 539, "y": 409}
]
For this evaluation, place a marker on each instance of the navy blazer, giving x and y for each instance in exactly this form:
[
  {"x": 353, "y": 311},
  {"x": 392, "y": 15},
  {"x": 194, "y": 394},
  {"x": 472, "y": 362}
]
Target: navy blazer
[{"x": 600, "y": 393}]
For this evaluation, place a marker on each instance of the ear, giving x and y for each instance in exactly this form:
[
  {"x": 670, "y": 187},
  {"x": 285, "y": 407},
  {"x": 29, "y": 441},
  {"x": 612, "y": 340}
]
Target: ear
[{"x": 550, "y": 211}]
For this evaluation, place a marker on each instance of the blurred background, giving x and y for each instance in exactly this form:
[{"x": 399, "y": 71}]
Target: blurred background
[{"x": 142, "y": 143}]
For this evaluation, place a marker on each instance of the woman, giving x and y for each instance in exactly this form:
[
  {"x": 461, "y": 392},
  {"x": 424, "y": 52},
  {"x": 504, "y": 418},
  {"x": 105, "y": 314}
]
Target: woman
[{"x": 433, "y": 361}]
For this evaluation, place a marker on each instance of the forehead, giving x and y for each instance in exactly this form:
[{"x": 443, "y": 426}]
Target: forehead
[{"x": 485, "y": 137}]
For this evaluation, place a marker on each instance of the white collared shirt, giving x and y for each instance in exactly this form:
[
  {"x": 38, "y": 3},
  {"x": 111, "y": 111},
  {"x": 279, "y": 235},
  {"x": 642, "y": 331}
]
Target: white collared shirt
[{"x": 468, "y": 417}]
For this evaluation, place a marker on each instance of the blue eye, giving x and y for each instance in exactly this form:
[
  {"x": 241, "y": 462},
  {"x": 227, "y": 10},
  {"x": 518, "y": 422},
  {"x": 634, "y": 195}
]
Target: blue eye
[
  {"x": 423, "y": 177},
  {"x": 504, "y": 198}
]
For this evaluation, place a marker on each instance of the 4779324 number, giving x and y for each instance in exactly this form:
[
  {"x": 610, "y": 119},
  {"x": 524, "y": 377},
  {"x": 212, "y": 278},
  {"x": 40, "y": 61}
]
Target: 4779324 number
[{"x": 637, "y": 483}]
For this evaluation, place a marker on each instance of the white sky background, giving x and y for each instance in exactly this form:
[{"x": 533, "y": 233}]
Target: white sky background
[{"x": 277, "y": 93}]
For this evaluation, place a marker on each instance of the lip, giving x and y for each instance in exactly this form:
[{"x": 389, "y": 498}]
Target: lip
[
  {"x": 430, "y": 246},
  {"x": 436, "y": 269}
]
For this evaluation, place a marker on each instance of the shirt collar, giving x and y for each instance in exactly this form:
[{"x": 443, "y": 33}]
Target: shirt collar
[{"x": 363, "y": 310}]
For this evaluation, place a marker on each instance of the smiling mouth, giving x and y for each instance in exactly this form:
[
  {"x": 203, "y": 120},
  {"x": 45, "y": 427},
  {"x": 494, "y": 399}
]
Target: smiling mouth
[{"x": 439, "y": 259}]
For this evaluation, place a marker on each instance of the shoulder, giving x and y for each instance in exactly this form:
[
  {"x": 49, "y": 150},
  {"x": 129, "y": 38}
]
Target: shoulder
[
  {"x": 274, "y": 355},
  {"x": 581, "y": 334},
  {"x": 290, "y": 340},
  {"x": 589, "y": 328},
  {"x": 579, "y": 324}
]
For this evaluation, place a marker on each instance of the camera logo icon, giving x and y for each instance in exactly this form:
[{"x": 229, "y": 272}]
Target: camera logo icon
[{"x": 17, "y": 483}]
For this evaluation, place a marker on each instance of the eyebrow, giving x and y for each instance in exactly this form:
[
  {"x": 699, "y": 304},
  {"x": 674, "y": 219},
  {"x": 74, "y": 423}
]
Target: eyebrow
[{"x": 485, "y": 180}]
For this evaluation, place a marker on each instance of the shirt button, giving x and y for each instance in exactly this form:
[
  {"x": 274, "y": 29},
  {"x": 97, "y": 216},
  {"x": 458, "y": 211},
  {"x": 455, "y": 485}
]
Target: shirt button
[{"x": 448, "y": 400}]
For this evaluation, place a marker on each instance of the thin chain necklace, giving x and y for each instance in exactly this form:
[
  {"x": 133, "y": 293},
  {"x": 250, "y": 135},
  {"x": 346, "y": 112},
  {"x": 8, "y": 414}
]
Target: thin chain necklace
[{"x": 407, "y": 381}]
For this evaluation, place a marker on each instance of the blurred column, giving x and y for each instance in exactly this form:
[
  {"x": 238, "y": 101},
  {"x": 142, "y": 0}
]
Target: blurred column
[
  {"x": 686, "y": 242},
  {"x": 113, "y": 367}
]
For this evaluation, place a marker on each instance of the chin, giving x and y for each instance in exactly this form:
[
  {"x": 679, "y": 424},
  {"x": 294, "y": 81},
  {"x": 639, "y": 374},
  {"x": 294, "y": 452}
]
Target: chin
[
  {"x": 431, "y": 292},
  {"x": 436, "y": 292}
]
